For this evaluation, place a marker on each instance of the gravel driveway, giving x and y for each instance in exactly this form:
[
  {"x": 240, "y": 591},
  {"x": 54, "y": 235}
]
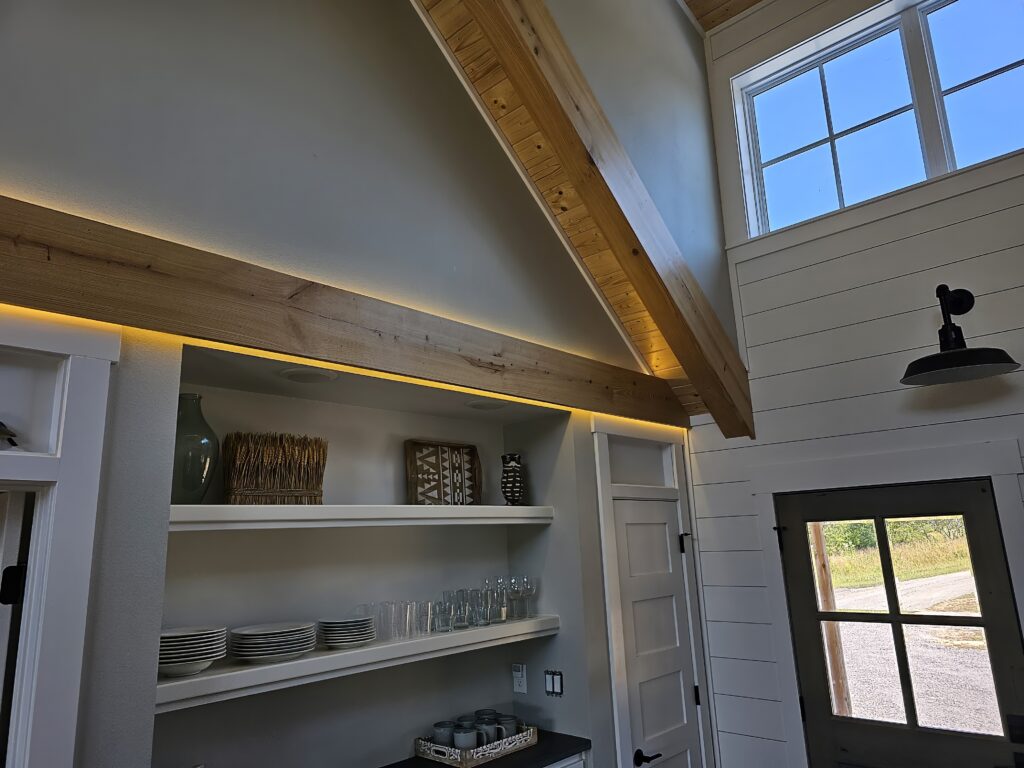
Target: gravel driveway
[{"x": 952, "y": 680}]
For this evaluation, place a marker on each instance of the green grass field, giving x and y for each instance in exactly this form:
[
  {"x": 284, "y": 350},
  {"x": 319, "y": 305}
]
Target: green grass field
[{"x": 916, "y": 560}]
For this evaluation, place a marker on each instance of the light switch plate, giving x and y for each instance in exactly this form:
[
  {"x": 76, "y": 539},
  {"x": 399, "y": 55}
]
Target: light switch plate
[{"x": 518, "y": 678}]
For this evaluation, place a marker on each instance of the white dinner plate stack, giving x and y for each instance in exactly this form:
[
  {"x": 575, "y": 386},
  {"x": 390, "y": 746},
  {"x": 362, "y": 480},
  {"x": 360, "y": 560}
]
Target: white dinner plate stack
[
  {"x": 347, "y": 633},
  {"x": 189, "y": 650},
  {"x": 264, "y": 643}
]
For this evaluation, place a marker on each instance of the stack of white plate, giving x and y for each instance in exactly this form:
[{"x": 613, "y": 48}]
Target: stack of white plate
[
  {"x": 263, "y": 643},
  {"x": 347, "y": 633},
  {"x": 190, "y": 650}
]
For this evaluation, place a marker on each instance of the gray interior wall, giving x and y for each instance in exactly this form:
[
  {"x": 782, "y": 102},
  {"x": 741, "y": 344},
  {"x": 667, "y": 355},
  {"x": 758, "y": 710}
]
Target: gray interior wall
[
  {"x": 560, "y": 470},
  {"x": 357, "y": 722},
  {"x": 115, "y": 725},
  {"x": 325, "y": 138},
  {"x": 645, "y": 63}
]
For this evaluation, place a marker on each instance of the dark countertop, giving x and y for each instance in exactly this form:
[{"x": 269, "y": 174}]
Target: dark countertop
[{"x": 550, "y": 748}]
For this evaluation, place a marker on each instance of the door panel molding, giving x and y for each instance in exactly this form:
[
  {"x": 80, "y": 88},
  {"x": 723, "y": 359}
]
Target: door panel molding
[{"x": 637, "y": 501}]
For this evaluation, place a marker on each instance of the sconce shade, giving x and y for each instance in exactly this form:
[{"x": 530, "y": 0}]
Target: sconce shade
[
  {"x": 959, "y": 365},
  {"x": 955, "y": 361}
]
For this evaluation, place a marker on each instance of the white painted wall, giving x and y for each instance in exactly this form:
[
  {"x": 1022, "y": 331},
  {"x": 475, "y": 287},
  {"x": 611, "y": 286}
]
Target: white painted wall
[
  {"x": 645, "y": 63},
  {"x": 115, "y": 724},
  {"x": 325, "y": 139},
  {"x": 831, "y": 312}
]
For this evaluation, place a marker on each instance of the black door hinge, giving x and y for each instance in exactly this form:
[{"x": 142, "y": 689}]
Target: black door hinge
[
  {"x": 682, "y": 542},
  {"x": 12, "y": 584},
  {"x": 696, "y": 694}
]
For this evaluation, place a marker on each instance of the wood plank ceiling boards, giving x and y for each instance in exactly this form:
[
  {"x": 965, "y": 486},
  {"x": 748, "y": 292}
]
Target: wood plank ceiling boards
[
  {"x": 57, "y": 262},
  {"x": 711, "y": 13},
  {"x": 513, "y": 62}
]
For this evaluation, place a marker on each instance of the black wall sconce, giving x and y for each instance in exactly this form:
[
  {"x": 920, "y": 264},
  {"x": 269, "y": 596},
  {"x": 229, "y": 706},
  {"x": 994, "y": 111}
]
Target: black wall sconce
[{"x": 954, "y": 361}]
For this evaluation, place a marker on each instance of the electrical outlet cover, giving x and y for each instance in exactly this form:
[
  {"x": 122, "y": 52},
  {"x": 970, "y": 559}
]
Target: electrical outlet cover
[{"x": 518, "y": 678}]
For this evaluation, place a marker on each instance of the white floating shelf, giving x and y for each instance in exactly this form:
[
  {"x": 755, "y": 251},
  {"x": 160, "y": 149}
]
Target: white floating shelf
[
  {"x": 231, "y": 680},
  {"x": 218, "y": 517}
]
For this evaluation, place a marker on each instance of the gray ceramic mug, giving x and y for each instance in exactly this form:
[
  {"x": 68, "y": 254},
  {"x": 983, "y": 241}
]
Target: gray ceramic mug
[
  {"x": 488, "y": 729},
  {"x": 466, "y": 721},
  {"x": 444, "y": 732},
  {"x": 466, "y": 738},
  {"x": 510, "y": 724}
]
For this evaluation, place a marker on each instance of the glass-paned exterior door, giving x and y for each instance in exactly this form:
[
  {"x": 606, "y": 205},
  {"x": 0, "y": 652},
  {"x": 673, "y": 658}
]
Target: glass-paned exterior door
[{"x": 907, "y": 638}]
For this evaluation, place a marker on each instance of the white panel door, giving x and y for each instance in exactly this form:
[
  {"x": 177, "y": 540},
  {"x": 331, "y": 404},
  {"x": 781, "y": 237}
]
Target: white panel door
[{"x": 658, "y": 657}]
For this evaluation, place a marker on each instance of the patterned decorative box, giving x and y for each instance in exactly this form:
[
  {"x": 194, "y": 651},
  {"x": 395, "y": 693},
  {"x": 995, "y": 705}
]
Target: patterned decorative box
[
  {"x": 469, "y": 758},
  {"x": 442, "y": 473}
]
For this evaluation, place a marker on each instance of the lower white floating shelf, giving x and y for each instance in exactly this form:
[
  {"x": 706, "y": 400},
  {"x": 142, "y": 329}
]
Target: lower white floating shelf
[{"x": 230, "y": 680}]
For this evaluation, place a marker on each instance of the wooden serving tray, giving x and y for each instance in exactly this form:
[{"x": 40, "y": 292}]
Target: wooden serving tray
[{"x": 470, "y": 758}]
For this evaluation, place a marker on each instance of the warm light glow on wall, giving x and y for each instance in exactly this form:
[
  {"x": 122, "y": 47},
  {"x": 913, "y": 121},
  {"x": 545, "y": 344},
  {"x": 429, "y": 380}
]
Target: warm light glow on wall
[
  {"x": 69, "y": 320},
  {"x": 39, "y": 316}
]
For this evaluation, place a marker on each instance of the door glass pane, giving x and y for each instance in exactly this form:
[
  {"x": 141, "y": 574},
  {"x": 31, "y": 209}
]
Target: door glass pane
[
  {"x": 847, "y": 566},
  {"x": 790, "y": 116},
  {"x": 867, "y": 82},
  {"x": 987, "y": 120},
  {"x": 932, "y": 565},
  {"x": 971, "y": 38},
  {"x": 880, "y": 158},
  {"x": 952, "y": 678},
  {"x": 802, "y": 187},
  {"x": 864, "y": 680}
]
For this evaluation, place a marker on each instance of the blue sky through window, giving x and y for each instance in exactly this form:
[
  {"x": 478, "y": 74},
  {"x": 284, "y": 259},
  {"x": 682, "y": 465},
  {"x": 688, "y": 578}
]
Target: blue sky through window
[
  {"x": 970, "y": 39},
  {"x": 987, "y": 119},
  {"x": 867, "y": 82},
  {"x": 802, "y": 187},
  {"x": 973, "y": 37},
  {"x": 790, "y": 116}
]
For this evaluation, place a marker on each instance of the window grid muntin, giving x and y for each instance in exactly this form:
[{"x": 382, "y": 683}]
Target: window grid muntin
[
  {"x": 817, "y": 62},
  {"x": 923, "y": 11},
  {"x": 935, "y": 141},
  {"x": 896, "y": 619}
]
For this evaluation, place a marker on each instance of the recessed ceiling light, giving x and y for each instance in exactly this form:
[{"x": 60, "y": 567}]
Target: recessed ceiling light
[
  {"x": 308, "y": 375},
  {"x": 486, "y": 405}
]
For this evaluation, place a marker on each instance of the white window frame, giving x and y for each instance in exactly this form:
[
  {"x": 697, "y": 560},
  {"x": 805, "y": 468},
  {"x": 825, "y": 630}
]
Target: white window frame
[{"x": 927, "y": 98}]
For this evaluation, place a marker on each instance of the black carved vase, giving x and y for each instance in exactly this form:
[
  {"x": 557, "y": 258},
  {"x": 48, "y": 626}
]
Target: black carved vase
[{"x": 513, "y": 486}]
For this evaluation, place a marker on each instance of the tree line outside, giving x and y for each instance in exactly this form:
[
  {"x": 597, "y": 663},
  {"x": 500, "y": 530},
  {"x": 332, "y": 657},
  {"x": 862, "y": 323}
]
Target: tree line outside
[{"x": 921, "y": 547}]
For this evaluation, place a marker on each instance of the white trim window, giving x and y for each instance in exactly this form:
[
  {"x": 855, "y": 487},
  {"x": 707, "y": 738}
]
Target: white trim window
[{"x": 902, "y": 93}]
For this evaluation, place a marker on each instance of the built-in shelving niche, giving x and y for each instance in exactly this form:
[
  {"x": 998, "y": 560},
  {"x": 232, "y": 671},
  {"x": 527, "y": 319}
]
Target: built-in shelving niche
[{"x": 235, "y": 565}]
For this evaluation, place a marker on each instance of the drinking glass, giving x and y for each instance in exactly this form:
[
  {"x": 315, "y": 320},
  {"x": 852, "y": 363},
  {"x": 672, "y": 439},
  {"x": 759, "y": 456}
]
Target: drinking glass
[
  {"x": 515, "y": 596},
  {"x": 424, "y": 617},
  {"x": 500, "y": 612},
  {"x": 386, "y": 620},
  {"x": 529, "y": 588},
  {"x": 408, "y": 618},
  {"x": 478, "y": 606},
  {"x": 443, "y": 616},
  {"x": 460, "y": 619}
]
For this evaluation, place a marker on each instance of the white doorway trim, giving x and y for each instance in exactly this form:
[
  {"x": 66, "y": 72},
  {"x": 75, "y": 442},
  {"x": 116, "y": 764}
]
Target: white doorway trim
[
  {"x": 65, "y": 481},
  {"x": 675, "y": 489},
  {"x": 999, "y": 460}
]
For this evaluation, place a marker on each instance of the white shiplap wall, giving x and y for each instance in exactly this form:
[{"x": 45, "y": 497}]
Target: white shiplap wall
[{"x": 832, "y": 312}]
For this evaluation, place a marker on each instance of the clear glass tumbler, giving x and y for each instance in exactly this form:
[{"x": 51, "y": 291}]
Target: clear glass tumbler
[
  {"x": 529, "y": 589},
  {"x": 515, "y": 597}
]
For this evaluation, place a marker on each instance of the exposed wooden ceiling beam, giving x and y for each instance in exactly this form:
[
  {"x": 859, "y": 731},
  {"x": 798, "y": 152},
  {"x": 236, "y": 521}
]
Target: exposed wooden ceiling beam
[
  {"x": 513, "y": 61},
  {"x": 57, "y": 262}
]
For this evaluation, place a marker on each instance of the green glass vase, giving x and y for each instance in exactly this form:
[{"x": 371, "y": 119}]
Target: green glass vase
[{"x": 196, "y": 452}]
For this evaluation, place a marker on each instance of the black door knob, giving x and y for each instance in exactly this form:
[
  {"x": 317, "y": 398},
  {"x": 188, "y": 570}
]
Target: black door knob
[{"x": 639, "y": 758}]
